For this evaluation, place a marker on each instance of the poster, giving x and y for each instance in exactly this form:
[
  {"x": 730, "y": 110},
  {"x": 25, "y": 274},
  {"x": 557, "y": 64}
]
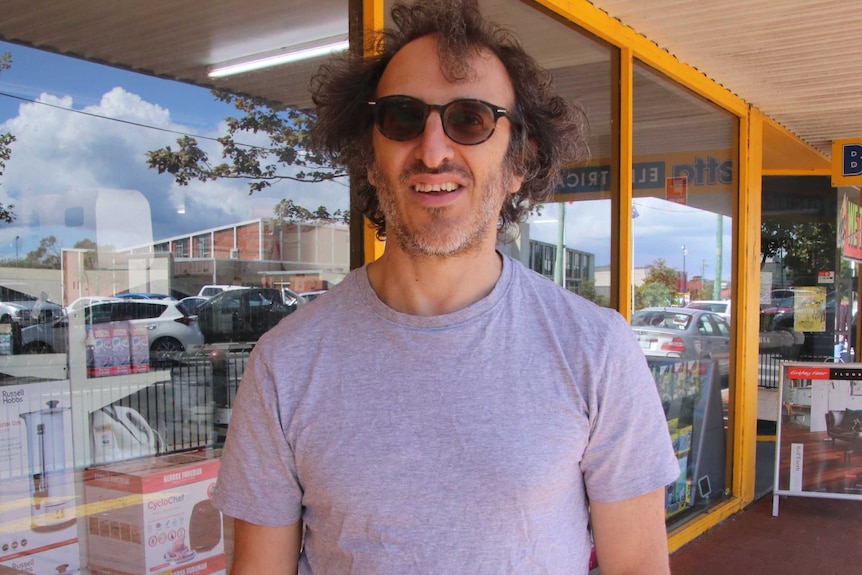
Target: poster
[
  {"x": 819, "y": 432},
  {"x": 809, "y": 309}
]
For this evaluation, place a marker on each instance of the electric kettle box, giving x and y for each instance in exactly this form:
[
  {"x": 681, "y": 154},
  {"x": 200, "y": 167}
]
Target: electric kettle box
[
  {"x": 28, "y": 544},
  {"x": 155, "y": 515}
]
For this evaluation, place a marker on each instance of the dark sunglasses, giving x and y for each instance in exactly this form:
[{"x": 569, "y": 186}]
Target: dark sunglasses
[{"x": 467, "y": 122}]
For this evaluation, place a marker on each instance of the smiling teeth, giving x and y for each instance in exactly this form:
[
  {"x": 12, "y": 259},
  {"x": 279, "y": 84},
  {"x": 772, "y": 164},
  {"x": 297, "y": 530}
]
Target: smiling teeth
[{"x": 444, "y": 187}]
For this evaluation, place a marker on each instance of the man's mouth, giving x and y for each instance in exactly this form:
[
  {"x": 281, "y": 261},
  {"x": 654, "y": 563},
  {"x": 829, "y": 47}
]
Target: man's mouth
[{"x": 431, "y": 188}]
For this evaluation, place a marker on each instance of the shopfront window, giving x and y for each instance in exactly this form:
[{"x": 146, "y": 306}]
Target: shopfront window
[
  {"x": 685, "y": 181},
  {"x": 810, "y": 253},
  {"x": 568, "y": 240},
  {"x": 129, "y": 303}
]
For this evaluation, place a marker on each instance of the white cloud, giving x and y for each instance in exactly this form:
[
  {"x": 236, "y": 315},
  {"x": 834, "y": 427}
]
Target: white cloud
[{"x": 61, "y": 157}]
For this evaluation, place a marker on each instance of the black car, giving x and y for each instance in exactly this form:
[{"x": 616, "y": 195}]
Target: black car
[{"x": 242, "y": 315}]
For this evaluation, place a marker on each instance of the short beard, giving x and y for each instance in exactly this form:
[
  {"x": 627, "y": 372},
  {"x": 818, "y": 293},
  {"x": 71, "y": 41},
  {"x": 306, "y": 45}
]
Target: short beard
[{"x": 440, "y": 240}]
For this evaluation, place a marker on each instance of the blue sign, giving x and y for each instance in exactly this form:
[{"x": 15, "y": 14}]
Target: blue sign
[{"x": 852, "y": 160}]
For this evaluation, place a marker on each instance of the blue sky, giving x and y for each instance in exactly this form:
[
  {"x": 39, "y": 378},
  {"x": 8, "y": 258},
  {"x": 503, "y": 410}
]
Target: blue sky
[
  {"x": 63, "y": 160},
  {"x": 34, "y": 72}
]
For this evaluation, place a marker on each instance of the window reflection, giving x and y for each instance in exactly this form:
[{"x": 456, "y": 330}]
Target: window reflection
[
  {"x": 569, "y": 239},
  {"x": 115, "y": 398},
  {"x": 684, "y": 185}
]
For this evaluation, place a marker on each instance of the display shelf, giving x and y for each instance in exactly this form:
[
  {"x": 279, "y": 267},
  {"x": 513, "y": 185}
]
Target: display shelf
[{"x": 46, "y": 366}]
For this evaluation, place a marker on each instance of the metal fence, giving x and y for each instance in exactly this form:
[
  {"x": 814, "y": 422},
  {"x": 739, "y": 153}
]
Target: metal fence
[{"x": 190, "y": 409}]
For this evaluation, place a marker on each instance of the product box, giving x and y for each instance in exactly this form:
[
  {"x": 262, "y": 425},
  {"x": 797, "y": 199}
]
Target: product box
[
  {"x": 139, "y": 347},
  {"x": 108, "y": 349},
  {"x": 5, "y": 339},
  {"x": 26, "y": 403},
  {"x": 35, "y": 538},
  {"x": 154, "y": 516}
]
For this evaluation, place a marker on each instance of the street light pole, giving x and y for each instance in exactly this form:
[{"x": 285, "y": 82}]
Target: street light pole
[
  {"x": 684, "y": 278},
  {"x": 17, "y": 259}
]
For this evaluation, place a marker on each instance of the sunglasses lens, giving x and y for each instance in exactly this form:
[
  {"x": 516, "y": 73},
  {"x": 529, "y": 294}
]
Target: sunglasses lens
[
  {"x": 469, "y": 121},
  {"x": 401, "y": 118}
]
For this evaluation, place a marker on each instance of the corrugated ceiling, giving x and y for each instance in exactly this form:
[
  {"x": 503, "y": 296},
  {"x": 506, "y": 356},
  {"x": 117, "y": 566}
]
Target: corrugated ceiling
[{"x": 795, "y": 60}]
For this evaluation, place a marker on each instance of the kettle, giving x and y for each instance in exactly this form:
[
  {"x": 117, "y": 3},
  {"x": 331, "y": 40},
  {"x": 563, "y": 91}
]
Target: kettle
[
  {"x": 120, "y": 433},
  {"x": 52, "y": 489}
]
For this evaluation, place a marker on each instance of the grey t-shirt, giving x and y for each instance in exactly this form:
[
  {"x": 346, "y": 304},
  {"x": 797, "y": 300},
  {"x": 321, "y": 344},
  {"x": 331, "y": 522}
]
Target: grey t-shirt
[{"x": 461, "y": 443}]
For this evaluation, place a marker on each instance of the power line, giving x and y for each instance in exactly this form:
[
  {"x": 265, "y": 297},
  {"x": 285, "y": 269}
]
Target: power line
[{"x": 129, "y": 122}]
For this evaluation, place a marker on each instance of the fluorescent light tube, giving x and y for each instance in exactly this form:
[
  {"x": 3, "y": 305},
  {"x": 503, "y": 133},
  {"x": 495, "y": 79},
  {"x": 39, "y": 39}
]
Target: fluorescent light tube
[{"x": 277, "y": 59}]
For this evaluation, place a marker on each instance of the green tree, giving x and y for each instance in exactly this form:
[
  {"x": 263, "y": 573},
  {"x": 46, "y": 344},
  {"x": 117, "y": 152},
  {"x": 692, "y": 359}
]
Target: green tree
[
  {"x": 47, "y": 255},
  {"x": 6, "y": 213},
  {"x": 286, "y": 157},
  {"x": 287, "y": 211},
  {"x": 654, "y": 294},
  {"x": 659, "y": 287},
  {"x": 91, "y": 258},
  {"x": 803, "y": 248}
]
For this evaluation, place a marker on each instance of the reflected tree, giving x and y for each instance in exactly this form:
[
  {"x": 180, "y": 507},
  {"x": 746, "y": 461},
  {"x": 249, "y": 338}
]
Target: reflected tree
[
  {"x": 287, "y": 156},
  {"x": 6, "y": 213},
  {"x": 659, "y": 287},
  {"x": 802, "y": 248}
]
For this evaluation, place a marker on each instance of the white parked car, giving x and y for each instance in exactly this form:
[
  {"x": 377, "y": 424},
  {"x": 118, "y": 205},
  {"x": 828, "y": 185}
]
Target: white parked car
[
  {"x": 215, "y": 289},
  {"x": 721, "y": 307},
  {"x": 84, "y": 301},
  {"x": 169, "y": 330}
]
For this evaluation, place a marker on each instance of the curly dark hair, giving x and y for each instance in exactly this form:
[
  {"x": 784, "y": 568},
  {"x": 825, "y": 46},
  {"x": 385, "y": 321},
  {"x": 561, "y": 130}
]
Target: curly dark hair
[{"x": 547, "y": 130}]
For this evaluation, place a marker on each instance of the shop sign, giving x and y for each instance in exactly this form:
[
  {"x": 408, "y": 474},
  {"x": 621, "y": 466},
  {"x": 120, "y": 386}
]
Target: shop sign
[
  {"x": 826, "y": 277},
  {"x": 850, "y": 229},
  {"x": 701, "y": 172},
  {"x": 847, "y": 162},
  {"x": 676, "y": 190}
]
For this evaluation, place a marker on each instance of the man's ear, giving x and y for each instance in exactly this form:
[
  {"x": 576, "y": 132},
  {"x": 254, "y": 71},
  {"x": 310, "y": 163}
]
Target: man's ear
[
  {"x": 529, "y": 154},
  {"x": 515, "y": 184}
]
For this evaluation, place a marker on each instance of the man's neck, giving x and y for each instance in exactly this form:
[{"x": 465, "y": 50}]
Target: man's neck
[{"x": 429, "y": 286}]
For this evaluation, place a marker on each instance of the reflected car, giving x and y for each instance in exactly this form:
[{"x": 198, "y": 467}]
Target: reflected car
[
  {"x": 242, "y": 315},
  {"x": 190, "y": 304},
  {"x": 145, "y": 295},
  {"x": 312, "y": 295},
  {"x": 24, "y": 309},
  {"x": 721, "y": 307},
  {"x": 169, "y": 330},
  {"x": 84, "y": 301},
  {"x": 685, "y": 333}
]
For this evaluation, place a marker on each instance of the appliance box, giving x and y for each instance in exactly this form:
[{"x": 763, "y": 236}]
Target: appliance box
[
  {"x": 22, "y": 395},
  {"x": 28, "y": 546},
  {"x": 157, "y": 517},
  {"x": 108, "y": 349}
]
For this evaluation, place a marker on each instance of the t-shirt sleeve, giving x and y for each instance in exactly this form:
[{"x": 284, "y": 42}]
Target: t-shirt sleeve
[
  {"x": 257, "y": 480},
  {"x": 630, "y": 451}
]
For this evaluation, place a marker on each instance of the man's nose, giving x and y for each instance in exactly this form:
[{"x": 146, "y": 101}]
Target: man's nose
[{"x": 434, "y": 146}]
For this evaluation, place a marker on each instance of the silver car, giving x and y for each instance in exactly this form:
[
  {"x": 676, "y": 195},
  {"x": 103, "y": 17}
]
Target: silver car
[
  {"x": 25, "y": 309},
  {"x": 169, "y": 330},
  {"x": 686, "y": 333}
]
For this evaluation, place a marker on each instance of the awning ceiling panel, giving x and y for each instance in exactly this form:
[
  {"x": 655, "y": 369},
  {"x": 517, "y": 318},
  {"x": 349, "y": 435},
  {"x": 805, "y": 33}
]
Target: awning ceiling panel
[{"x": 795, "y": 60}]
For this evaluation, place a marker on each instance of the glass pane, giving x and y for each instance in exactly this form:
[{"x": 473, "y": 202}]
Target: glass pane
[
  {"x": 810, "y": 242},
  {"x": 569, "y": 240},
  {"x": 111, "y": 388},
  {"x": 685, "y": 183}
]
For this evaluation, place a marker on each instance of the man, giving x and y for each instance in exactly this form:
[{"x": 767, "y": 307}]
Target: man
[{"x": 444, "y": 409}]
